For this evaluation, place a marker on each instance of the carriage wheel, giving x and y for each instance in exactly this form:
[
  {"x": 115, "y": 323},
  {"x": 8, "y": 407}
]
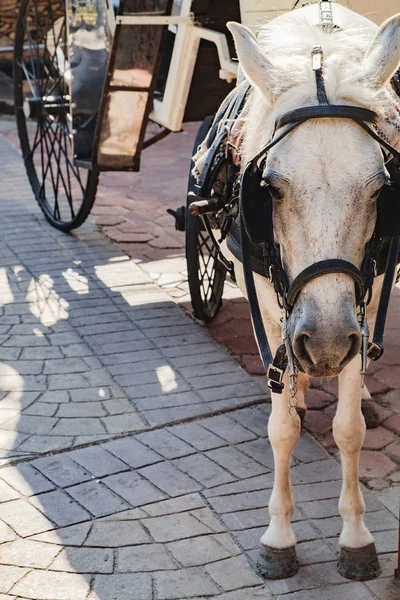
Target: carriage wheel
[
  {"x": 206, "y": 275},
  {"x": 64, "y": 191}
]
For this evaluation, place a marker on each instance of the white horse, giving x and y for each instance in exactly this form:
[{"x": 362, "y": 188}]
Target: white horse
[{"x": 325, "y": 177}]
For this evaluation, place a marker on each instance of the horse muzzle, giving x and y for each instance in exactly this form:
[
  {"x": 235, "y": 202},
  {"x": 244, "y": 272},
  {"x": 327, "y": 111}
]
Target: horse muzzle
[{"x": 324, "y": 349}]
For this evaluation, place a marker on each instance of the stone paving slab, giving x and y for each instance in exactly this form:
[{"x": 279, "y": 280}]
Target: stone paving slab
[
  {"x": 145, "y": 533},
  {"x": 135, "y": 458},
  {"x": 162, "y": 256},
  {"x": 92, "y": 348},
  {"x": 131, "y": 209}
]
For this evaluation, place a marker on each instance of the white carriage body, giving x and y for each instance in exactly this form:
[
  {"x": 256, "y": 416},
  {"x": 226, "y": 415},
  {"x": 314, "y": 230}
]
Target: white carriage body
[{"x": 169, "y": 112}]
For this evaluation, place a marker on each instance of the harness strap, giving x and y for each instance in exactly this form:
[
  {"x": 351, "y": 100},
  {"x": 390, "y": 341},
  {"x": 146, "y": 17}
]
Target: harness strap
[
  {"x": 330, "y": 111},
  {"x": 274, "y": 368},
  {"x": 321, "y": 89},
  {"x": 265, "y": 351},
  {"x": 318, "y": 67},
  {"x": 380, "y": 140},
  {"x": 376, "y": 349},
  {"x": 277, "y": 370},
  {"x": 325, "y": 267}
]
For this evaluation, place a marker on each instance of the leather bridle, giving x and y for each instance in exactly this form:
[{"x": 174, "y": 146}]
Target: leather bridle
[
  {"x": 260, "y": 231},
  {"x": 249, "y": 231}
]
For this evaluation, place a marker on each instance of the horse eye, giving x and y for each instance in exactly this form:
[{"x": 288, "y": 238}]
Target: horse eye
[
  {"x": 376, "y": 194},
  {"x": 275, "y": 192}
]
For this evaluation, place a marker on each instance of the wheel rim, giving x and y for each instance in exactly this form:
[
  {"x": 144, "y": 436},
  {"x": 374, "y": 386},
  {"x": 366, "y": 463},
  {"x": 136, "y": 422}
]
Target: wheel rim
[
  {"x": 43, "y": 106},
  {"x": 206, "y": 275}
]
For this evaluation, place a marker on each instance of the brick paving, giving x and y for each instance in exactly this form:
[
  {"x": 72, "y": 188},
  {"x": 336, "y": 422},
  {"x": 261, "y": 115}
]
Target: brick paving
[
  {"x": 127, "y": 472},
  {"x": 122, "y": 210},
  {"x": 150, "y": 236}
]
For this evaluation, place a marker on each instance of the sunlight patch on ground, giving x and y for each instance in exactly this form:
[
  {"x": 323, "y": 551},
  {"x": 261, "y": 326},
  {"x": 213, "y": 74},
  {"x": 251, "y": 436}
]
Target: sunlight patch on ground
[
  {"x": 11, "y": 392},
  {"x": 6, "y": 295},
  {"x": 77, "y": 282},
  {"x": 166, "y": 378},
  {"x": 37, "y": 332},
  {"x": 44, "y": 303},
  {"x": 17, "y": 270},
  {"x": 10, "y": 379},
  {"x": 119, "y": 274},
  {"x": 171, "y": 275}
]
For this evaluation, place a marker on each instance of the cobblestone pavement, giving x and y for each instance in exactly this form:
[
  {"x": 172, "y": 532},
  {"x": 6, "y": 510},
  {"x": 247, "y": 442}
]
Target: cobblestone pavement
[
  {"x": 131, "y": 210},
  {"x": 150, "y": 236},
  {"x": 135, "y": 463}
]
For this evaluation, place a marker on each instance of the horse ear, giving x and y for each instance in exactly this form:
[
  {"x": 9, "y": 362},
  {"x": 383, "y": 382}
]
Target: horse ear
[
  {"x": 253, "y": 62},
  {"x": 383, "y": 58}
]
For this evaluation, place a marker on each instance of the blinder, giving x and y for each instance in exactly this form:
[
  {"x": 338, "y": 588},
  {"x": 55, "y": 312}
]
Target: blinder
[
  {"x": 388, "y": 212},
  {"x": 256, "y": 206}
]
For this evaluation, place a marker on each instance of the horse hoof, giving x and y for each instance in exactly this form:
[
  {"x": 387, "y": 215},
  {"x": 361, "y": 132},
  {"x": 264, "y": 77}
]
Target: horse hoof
[
  {"x": 370, "y": 414},
  {"x": 359, "y": 564},
  {"x": 277, "y": 564}
]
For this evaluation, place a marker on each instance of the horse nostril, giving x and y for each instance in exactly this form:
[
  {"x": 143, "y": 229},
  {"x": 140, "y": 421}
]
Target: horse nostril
[
  {"x": 355, "y": 343},
  {"x": 314, "y": 349},
  {"x": 300, "y": 346}
]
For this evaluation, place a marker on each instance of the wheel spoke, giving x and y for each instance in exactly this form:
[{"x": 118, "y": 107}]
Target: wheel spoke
[
  {"x": 208, "y": 272},
  {"x": 42, "y": 191},
  {"x": 50, "y": 153},
  {"x": 56, "y": 39},
  {"x": 69, "y": 165},
  {"x": 74, "y": 169},
  {"x": 60, "y": 173},
  {"x": 29, "y": 78},
  {"x": 58, "y": 160},
  {"x": 36, "y": 142},
  {"x": 69, "y": 193},
  {"x": 30, "y": 41},
  {"x": 47, "y": 58},
  {"x": 61, "y": 71}
]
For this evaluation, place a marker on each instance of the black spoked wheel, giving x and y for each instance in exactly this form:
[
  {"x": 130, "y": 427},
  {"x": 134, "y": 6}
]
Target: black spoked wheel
[
  {"x": 64, "y": 191},
  {"x": 206, "y": 275}
]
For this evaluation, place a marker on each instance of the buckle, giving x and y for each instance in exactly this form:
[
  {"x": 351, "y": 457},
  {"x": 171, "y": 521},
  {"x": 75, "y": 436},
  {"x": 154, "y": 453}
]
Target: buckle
[
  {"x": 226, "y": 226},
  {"x": 275, "y": 377},
  {"x": 375, "y": 351},
  {"x": 317, "y": 55}
]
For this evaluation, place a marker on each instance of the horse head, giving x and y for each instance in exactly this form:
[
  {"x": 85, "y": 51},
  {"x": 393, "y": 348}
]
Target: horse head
[{"x": 326, "y": 175}]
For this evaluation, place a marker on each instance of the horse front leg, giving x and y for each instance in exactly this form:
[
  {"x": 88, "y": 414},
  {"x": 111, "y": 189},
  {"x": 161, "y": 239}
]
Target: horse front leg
[
  {"x": 278, "y": 554},
  {"x": 358, "y": 558}
]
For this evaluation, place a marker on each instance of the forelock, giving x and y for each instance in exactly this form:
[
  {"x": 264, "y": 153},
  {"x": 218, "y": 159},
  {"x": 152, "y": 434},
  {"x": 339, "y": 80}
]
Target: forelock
[{"x": 288, "y": 45}]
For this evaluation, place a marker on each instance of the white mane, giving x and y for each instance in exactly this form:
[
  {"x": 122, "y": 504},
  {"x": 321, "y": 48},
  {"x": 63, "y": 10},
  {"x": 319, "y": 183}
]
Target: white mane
[{"x": 287, "y": 43}]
